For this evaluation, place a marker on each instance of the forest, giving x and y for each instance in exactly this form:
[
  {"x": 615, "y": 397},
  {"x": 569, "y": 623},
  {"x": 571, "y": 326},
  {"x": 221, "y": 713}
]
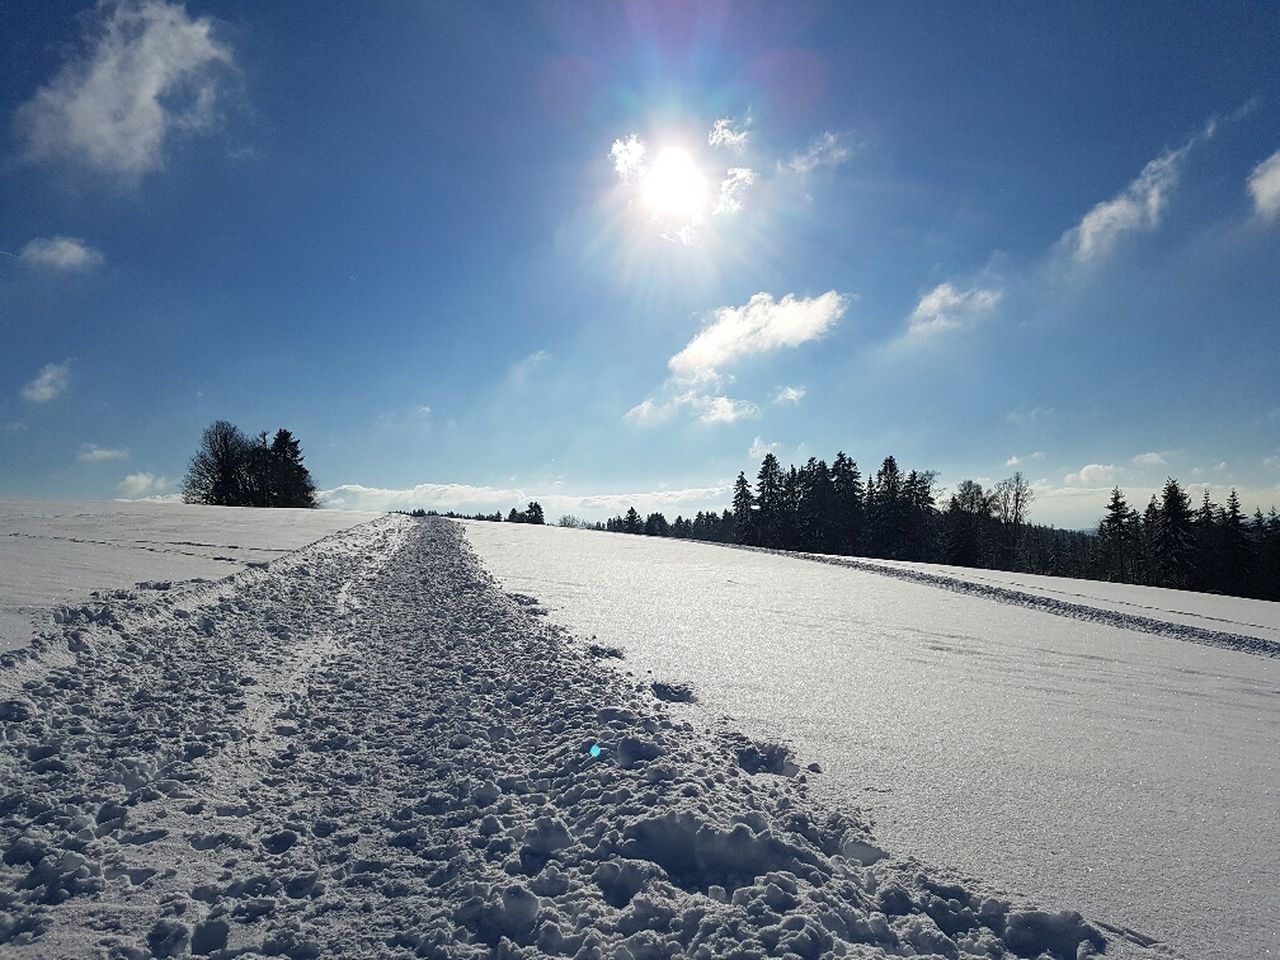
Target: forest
[{"x": 891, "y": 515}]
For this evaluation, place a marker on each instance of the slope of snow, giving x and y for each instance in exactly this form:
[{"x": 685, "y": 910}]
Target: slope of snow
[
  {"x": 368, "y": 750},
  {"x": 1208, "y": 611},
  {"x": 56, "y": 552},
  {"x": 1128, "y": 774}
]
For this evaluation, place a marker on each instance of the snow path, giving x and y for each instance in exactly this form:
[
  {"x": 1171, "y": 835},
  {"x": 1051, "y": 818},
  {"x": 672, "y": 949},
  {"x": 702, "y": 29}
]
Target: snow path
[
  {"x": 1121, "y": 772},
  {"x": 368, "y": 750}
]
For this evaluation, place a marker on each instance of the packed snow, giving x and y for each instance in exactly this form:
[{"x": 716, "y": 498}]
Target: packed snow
[
  {"x": 367, "y": 749},
  {"x": 54, "y": 552},
  {"x": 1132, "y": 773}
]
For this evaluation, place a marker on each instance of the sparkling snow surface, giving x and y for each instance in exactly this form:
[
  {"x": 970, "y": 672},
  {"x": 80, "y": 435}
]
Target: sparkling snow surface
[
  {"x": 1133, "y": 776},
  {"x": 56, "y": 552}
]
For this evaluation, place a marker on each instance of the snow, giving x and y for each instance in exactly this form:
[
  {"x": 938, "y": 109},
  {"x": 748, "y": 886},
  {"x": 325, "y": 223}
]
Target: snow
[
  {"x": 366, "y": 749},
  {"x": 1126, "y": 773},
  {"x": 57, "y": 552}
]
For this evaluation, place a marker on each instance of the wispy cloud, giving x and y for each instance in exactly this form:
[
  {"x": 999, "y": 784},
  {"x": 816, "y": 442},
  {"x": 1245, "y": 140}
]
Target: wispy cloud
[
  {"x": 1264, "y": 185},
  {"x": 523, "y": 369},
  {"x": 725, "y": 133},
  {"x": 789, "y": 394},
  {"x": 1150, "y": 459},
  {"x": 759, "y": 448},
  {"x": 92, "y": 453},
  {"x": 51, "y": 382},
  {"x": 825, "y": 150},
  {"x": 1091, "y": 475},
  {"x": 706, "y": 408},
  {"x": 737, "y": 181},
  {"x": 947, "y": 308},
  {"x": 143, "y": 485},
  {"x": 1017, "y": 461},
  {"x": 1025, "y": 415},
  {"x": 149, "y": 72},
  {"x": 60, "y": 253},
  {"x": 1139, "y": 208},
  {"x": 762, "y": 325}
]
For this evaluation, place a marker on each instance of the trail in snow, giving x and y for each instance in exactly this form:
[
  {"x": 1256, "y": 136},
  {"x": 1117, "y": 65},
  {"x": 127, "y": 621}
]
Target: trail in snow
[{"x": 368, "y": 750}]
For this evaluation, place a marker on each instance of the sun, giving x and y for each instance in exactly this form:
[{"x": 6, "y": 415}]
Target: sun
[{"x": 674, "y": 188}]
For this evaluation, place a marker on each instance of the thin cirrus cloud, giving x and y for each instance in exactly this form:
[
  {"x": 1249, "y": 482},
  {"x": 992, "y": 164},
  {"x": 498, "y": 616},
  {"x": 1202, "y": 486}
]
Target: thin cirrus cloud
[
  {"x": 60, "y": 253},
  {"x": 946, "y": 308},
  {"x": 706, "y": 409},
  {"x": 1149, "y": 459},
  {"x": 789, "y": 394},
  {"x": 149, "y": 72},
  {"x": 1017, "y": 461},
  {"x": 92, "y": 453},
  {"x": 1264, "y": 187},
  {"x": 53, "y": 380},
  {"x": 827, "y": 150}
]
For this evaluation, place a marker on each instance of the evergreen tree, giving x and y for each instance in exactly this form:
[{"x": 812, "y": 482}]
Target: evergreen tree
[
  {"x": 533, "y": 514},
  {"x": 885, "y": 501},
  {"x": 968, "y": 514},
  {"x": 742, "y": 520},
  {"x": 769, "y": 501},
  {"x": 655, "y": 525},
  {"x": 847, "y": 504},
  {"x": 816, "y": 506},
  {"x": 291, "y": 484},
  {"x": 632, "y": 523},
  {"x": 1116, "y": 531},
  {"x": 1234, "y": 567},
  {"x": 1175, "y": 537}
]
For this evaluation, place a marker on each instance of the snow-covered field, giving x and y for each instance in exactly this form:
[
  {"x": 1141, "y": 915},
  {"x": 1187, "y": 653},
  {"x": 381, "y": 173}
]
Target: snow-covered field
[
  {"x": 366, "y": 749},
  {"x": 56, "y": 552},
  {"x": 1130, "y": 773}
]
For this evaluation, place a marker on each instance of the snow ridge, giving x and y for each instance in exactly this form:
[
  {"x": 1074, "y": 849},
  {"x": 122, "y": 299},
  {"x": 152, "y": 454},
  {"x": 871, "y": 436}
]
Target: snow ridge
[
  {"x": 368, "y": 750},
  {"x": 1062, "y": 608}
]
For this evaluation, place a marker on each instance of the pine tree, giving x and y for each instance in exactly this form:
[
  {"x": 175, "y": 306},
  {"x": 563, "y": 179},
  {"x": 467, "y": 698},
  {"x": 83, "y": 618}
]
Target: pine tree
[
  {"x": 632, "y": 523},
  {"x": 291, "y": 484},
  {"x": 885, "y": 502},
  {"x": 1234, "y": 567},
  {"x": 1175, "y": 537},
  {"x": 742, "y": 519},
  {"x": 848, "y": 502},
  {"x": 769, "y": 501}
]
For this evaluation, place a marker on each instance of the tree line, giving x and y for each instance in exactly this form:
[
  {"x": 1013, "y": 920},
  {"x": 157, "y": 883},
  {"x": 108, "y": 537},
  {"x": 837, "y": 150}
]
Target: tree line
[
  {"x": 823, "y": 508},
  {"x": 231, "y": 469}
]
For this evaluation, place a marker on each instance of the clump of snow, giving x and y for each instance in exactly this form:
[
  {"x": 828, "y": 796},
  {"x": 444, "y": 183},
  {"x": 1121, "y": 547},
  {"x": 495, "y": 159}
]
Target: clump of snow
[{"x": 368, "y": 750}]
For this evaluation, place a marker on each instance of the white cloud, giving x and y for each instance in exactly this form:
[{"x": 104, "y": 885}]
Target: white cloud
[
  {"x": 648, "y": 413},
  {"x": 725, "y": 134},
  {"x": 1016, "y": 461},
  {"x": 1091, "y": 475},
  {"x": 152, "y": 71},
  {"x": 630, "y": 158},
  {"x": 825, "y": 150},
  {"x": 143, "y": 485},
  {"x": 708, "y": 409},
  {"x": 1264, "y": 184},
  {"x": 759, "y": 448},
  {"x": 467, "y": 498},
  {"x": 724, "y": 410},
  {"x": 946, "y": 308},
  {"x": 736, "y": 182},
  {"x": 92, "y": 453},
  {"x": 1137, "y": 209},
  {"x": 52, "y": 381},
  {"x": 60, "y": 253},
  {"x": 1150, "y": 459},
  {"x": 789, "y": 394},
  {"x": 521, "y": 370},
  {"x": 761, "y": 326}
]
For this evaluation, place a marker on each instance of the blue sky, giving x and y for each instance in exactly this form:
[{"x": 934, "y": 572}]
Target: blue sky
[{"x": 603, "y": 254}]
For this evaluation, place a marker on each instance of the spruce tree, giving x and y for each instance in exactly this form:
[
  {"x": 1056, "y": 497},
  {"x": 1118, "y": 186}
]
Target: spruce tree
[
  {"x": 848, "y": 496},
  {"x": 741, "y": 518},
  {"x": 1175, "y": 537},
  {"x": 769, "y": 501},
  {"x": 1115, "y": 532}
]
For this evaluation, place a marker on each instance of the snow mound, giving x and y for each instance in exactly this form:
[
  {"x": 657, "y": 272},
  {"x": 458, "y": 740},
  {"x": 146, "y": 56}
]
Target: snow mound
[{"x": 368, "y": 750}]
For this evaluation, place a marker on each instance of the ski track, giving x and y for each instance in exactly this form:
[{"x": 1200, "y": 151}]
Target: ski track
[
  {"x": 1062, "y": 608},
  {"x": 366, "y": 749}
]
